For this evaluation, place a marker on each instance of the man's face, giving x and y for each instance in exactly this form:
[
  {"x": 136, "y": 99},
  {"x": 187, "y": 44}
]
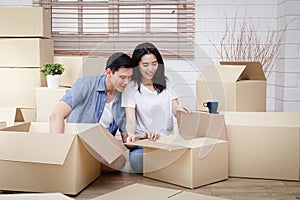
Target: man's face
[{"x": 121, "y": 78}]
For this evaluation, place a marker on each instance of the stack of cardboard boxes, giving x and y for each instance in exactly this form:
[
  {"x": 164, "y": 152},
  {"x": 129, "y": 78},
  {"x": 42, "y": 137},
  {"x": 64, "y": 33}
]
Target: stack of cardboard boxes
[
  {"x": 261, "y": 144},
  {"x": 75, "y": 67},
  {"x": 30, "y": 159},
  {"x": 25, "y": 45}
]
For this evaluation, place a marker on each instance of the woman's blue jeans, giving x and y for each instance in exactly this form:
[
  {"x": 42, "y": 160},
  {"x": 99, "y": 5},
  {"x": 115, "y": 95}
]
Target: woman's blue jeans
[{"x": 136, "y": 159}]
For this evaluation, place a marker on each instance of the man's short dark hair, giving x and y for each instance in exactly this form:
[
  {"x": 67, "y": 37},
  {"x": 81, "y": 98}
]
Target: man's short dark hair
[{"x": 119, "y": 60}]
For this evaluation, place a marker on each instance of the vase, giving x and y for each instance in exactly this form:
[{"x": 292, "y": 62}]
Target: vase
[{"x": 53, "y": 81}]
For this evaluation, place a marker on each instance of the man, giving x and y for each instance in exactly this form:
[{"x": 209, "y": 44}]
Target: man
[{"x": 97, "y": 99}]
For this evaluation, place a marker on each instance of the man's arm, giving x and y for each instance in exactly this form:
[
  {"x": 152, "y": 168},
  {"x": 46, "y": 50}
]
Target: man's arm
[{"x": 57, "y": 117}]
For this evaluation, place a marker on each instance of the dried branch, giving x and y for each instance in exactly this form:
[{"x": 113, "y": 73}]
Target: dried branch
[{"x": 244, "y": 43}]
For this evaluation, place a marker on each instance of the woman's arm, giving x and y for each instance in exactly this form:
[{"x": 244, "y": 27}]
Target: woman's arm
[{"x": 130, "y": 124}]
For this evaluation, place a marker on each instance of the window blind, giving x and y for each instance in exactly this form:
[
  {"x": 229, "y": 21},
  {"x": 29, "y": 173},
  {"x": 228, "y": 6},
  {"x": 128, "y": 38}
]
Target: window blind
[{"x": 101, "y": 27}]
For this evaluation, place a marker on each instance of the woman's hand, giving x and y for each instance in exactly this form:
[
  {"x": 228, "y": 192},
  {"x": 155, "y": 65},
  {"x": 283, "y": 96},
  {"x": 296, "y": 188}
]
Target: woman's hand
[
  {"x": 151, "y": 136},
  {"x": 182, "y": 108}
]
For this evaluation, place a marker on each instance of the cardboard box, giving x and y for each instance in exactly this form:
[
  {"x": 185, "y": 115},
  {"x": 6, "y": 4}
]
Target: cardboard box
[
  {"x": 33, "y": 160},
  {"x": 147, "y": 192},
  {"x": 2, "y": 124},
  {"x": 17, "y": 86},
  {"x": 35, "y": 196},
  {"x": 25, "y": 52},
  {"x": 201, "y": 124},
  {"x": 25, "y": 22},
  {"x": 239, "y": 87},
  {"x": 46, "y": 99},
  {"x": 12, "y": 114},
  {"x": 78, "y": 66},
  {"x": 200, "y": 161},
  {"x": 264, "y": 144}
]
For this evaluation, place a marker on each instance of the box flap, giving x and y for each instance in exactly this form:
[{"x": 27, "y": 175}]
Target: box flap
[
  {"x": 102, "y": 144},
  {"x": 34, "y": 147},
  {"x": 139, "y": 191},
  {"x": 35, "y": 196},
  {"x": 8, "y": 114},
  {"x": 253, "y": 70},
  {"x": 24, "y": 127},
  {"x": 219, "y": 73},
  {"x": 201, "y": 124},
  {"x": 274, "y": 119}
]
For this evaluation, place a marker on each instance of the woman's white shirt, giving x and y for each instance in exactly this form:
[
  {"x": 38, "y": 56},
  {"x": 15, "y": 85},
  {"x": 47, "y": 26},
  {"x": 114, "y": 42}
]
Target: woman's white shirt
[{"x": 153, "y": 110}]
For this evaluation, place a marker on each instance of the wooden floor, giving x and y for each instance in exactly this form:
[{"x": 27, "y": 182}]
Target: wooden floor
[{"x": 233, "y": 188}]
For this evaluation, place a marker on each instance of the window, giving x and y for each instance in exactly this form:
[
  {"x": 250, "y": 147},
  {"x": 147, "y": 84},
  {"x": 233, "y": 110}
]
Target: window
[{"x": 101, "y": 27}]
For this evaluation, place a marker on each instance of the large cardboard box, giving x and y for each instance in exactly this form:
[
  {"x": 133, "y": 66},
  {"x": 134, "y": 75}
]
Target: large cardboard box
[
  {"x": 46, "y": 99},
  {"x": 17, "y": 86},
  {"x": 11, "y": 115},
  {"x": 187, "y": 162},
  {"x": 147, "y": 192},
  {"x": 35, "y": 196},
  {"x": 25, "y": 22},
  {"x": 25, "y": 52},
  {"x": 236, "y": 86},
  {"x": 33, "y": 160},
  {"x": 264, "y": 144},
  {"x": 79, "y": 66}
]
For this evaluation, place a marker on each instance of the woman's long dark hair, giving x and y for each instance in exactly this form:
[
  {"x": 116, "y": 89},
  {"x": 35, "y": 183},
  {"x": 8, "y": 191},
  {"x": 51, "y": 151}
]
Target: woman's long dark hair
[{"x": 159, "y": 78}]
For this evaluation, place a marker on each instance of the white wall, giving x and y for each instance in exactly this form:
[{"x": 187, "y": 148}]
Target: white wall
[{"x": 283, "y": 90}]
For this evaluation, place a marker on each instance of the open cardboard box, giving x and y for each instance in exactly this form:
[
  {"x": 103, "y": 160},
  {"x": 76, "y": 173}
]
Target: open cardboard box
[
  {"x": 146, "y": 192},
  {"x": 191, "y": 159},
  {"x": 31, "y": 159},
  {"x": 12, "y": 114},
  {"x": 237, "y": 86},
  {"x": 264, "y": 144}
]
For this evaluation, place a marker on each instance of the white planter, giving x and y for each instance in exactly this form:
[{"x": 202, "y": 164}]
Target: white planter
[{"x": 53, "y": 81}]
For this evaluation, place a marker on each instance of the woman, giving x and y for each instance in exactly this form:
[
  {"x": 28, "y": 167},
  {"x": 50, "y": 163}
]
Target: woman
[{"x": 149, "y": 105}]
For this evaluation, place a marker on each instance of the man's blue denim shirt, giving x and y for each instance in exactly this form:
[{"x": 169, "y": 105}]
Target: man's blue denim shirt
[{"x": 87, "y": 98}]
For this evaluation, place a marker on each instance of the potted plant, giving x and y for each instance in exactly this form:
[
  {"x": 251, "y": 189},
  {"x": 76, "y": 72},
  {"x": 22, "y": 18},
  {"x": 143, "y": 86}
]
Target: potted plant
[{"x": 52, "y": 73}]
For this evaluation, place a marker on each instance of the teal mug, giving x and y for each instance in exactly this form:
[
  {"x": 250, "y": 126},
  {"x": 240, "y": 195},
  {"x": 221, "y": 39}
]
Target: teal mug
[{"x": 212, "y": 106}]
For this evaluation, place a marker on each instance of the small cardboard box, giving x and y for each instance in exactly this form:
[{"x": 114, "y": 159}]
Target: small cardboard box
[
  {"x": 25, "y": 52},
  {"x": 200, "y": 161},
  {"x": 25, "y": 22},
  {"x": 12, "y": 114},
  {"x": 147, "y": 192},
  {"x": 17, "y": 86},
  {"x": 2, "y": 124},
  {"x": 239, "y": 86},
  {"x": 264, "y": 144},
  {"x": 46, "y": 99},
  {"x": 78, "y": 66},
  {"x": 33, "y": 160},
  {"x": 35, "y": 196}
]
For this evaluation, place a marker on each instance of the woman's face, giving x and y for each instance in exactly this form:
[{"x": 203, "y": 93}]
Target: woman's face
[{"x": 148, "y": 66}]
